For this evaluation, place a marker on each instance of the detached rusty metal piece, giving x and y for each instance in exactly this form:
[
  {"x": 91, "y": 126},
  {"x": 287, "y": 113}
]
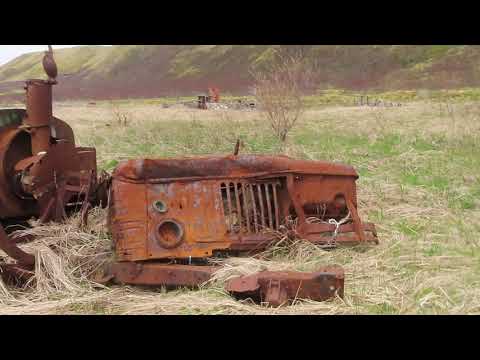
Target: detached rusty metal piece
[
  {"x": 277, "y": 288},
  {"x": 43, "y": 174}
]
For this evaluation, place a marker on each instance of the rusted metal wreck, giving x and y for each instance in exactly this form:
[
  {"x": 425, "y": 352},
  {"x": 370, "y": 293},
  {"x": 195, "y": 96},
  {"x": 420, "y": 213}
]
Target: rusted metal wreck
[
  {"x": 167, "y": 217},
  {"x": 43, "y": 174}
]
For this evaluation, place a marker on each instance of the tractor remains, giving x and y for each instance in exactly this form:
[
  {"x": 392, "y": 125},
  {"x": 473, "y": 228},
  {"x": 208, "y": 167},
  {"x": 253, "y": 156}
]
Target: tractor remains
[{"x": 168, "y": 217}]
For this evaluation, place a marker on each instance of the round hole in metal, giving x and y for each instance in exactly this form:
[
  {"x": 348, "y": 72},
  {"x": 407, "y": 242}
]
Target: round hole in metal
[
  {"x": 169, "y": 234},
  {"x": 160, "y": 206}
]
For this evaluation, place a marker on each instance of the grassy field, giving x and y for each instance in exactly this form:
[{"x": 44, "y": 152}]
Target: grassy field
[{"x": 419, "y": 183}]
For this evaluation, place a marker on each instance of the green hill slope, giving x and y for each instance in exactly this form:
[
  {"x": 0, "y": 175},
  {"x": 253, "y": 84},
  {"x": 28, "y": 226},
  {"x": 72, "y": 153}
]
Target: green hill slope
[{"x": 156, "y": 70}]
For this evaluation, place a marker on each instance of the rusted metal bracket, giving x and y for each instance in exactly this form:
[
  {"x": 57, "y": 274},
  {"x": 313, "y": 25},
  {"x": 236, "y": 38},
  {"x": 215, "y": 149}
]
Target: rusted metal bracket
[
  {"x": 322, "y": 234},
  {"x": 283, "y": 287},
  {"x": 15, "y": 275},
  {"x": 20, "y": 272},
  {"x": 10, "y": 247}
]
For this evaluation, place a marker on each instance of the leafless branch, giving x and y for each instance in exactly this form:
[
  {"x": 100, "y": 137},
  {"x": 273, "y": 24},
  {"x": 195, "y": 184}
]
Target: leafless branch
[{"x": 279, "y": 92}]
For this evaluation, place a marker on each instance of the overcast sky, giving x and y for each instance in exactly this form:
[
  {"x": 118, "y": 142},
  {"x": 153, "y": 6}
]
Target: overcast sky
[{"x": 10, "y": 52}]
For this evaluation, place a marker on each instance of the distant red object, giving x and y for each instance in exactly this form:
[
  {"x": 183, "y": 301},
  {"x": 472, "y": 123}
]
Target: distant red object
[{"x": 214, "y": 93}]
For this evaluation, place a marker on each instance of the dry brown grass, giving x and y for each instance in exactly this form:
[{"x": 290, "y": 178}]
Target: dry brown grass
[{"x": 426, "y": 263}]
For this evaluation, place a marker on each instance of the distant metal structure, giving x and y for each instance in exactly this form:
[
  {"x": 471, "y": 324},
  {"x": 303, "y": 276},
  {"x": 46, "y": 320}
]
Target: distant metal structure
[
  {"x": 202, "y": 102},
  {"x": 214, "y": 94},
  {"x": 365, "y": 100}
]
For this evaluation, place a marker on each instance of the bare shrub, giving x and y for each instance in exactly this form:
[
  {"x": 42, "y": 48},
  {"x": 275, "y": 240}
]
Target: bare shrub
[
  {"x": 379, "y": 114},
  {"x": 121, "y": 116},
  {"x": 279, "y": 90}
]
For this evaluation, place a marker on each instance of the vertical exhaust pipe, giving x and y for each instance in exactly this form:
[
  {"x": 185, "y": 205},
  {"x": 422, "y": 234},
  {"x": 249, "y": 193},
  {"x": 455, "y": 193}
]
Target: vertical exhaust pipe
[
  {"x": 39, "y": 114},
  {"x": 39, "y": 105}
]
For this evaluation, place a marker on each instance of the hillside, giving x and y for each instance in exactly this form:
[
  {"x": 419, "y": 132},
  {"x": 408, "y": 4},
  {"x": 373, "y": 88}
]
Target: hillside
[{"x": 129, "y": 71}]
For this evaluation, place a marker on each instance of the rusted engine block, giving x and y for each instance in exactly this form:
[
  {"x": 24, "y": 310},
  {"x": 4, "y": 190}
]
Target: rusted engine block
[
  {"x": 43, "y": 174},
  {"x": 186, "y": 210}
]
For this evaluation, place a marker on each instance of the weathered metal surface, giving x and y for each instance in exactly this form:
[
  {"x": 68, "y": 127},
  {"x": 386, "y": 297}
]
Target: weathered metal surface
[
  {"x": 178, "y": 208},
  {"x": 58, "y": 176},
  {"x": 42, "y": 172},
  {"x": 277, "y": 288},
  {"x": 15, "y": 275},
  {"x": 39, "y": 114},
  {"x": 10, "y": 248},
  {"x": 9, "y": 117},
  {"x": 232, "y": 203},
  {"x": 158, "y": 274}
]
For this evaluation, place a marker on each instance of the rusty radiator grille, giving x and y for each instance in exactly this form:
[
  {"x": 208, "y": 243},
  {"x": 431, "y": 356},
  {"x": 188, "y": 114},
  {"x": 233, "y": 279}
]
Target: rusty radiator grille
[{"x": 250, "y": 207}]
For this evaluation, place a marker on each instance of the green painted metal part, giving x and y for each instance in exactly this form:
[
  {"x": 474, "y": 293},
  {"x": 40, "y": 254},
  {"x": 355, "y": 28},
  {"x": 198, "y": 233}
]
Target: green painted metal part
[{"x": 9, "y": 117}]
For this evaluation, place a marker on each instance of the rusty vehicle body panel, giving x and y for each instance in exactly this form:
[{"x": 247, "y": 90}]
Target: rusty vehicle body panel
[
  {"x": 277, "y": 288},
  {"x": 180, "y": 208},
  {"x": 43, "y": 174},
  {"x": 191, "y": 209}
]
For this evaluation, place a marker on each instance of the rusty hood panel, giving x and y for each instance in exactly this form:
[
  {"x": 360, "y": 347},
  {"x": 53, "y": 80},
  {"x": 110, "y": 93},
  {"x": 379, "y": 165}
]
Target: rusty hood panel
[{"x": 160, "y": 170}]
